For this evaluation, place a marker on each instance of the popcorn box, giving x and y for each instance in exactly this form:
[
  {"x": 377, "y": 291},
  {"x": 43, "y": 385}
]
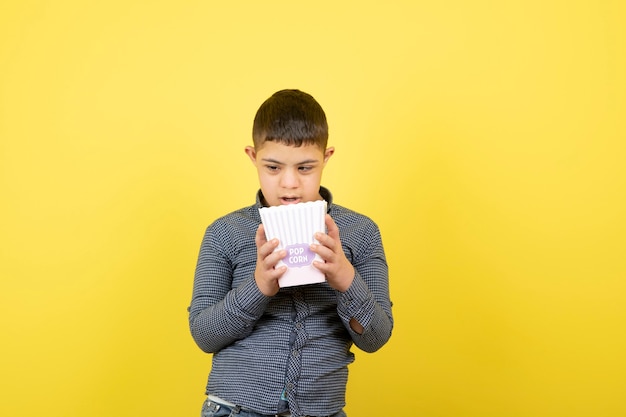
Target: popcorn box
[{"x": 294, "y": 226}]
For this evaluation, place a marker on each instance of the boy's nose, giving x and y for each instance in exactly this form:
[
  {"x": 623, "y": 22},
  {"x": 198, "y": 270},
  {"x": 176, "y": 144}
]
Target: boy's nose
[{"x": 289, "y": 179}]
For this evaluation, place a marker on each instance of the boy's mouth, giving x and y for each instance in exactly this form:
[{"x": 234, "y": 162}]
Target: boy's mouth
[{"x": 289, "y": 200}]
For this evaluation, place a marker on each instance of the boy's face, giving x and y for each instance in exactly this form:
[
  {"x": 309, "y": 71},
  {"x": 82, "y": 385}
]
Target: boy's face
[{"x": 289, "y": 174}]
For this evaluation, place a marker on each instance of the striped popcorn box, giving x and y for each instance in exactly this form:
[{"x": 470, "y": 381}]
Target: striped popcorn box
[{"x": 294, "y": 225}]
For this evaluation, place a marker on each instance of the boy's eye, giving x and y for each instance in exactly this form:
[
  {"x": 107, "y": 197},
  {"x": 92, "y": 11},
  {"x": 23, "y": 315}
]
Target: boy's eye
[
  {"x": 305, "y": 168},
  {"x": 271, "y": 167}
]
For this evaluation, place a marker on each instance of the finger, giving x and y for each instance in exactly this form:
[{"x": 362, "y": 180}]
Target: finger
[
  {"x": 272, "y": 259},
  {"x": 331, "y": 227},
  {"x": 321, "y": 266},
  {"x": 278, "y": 272},
  {"x": 325, "y": 240},
  {"x": 324, "y": 252},
  {"x": 268, "y": 249},
  {"x": 260, "y": 239},
  {"x": 264, "y": 247}
]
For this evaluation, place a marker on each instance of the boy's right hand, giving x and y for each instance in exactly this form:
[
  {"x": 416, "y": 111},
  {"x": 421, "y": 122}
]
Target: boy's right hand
[{"x": 266, "y": 274}]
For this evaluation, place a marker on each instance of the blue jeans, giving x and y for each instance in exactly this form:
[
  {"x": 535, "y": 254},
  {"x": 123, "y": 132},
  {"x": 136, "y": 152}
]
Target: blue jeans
[{"x": 213, "y": 409}]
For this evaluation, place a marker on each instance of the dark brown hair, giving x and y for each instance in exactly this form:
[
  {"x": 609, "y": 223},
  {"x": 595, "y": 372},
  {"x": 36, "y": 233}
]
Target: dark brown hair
[{"x": 291, "y": 117}]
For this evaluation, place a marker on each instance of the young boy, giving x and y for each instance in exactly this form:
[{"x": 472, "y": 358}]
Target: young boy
[{"x": 285, "y": 351}]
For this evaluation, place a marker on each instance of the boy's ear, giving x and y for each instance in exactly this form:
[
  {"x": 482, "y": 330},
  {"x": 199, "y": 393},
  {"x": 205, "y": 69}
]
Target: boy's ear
[
  {"x": 251, "y": 152},
  {"x": 328, "y": 153}
]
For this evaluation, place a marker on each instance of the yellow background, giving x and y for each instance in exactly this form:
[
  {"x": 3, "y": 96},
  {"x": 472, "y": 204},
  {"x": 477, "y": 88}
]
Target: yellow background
[{"x": 486, "y": 138}]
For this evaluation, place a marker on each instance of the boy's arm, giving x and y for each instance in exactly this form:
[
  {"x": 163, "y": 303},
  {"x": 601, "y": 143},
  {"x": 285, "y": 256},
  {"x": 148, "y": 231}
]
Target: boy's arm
[
  {"x": 362, "y": 288},
  {"x": 368, "y": 320},
  {"x": 220, "y": 314}
]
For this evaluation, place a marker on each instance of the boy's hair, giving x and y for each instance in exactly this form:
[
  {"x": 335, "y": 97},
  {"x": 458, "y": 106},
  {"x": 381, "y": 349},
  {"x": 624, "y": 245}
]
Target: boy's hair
[{"x": 290, "y": 117}]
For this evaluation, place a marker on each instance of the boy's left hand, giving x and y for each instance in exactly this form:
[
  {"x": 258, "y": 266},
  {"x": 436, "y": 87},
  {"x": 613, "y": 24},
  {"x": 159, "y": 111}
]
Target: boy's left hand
[{"x": 337, "y": 268}]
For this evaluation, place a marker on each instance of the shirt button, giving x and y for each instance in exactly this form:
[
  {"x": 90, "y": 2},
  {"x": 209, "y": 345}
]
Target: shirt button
[
  {"x": 295, "y": 353},
  {"x": 298, "y": 325}
]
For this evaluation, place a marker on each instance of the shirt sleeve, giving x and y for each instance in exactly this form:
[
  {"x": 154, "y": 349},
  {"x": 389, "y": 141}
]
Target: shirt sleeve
[
  {"x": 220, "y": 314},
  {"x": 367, "y": 300}
]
